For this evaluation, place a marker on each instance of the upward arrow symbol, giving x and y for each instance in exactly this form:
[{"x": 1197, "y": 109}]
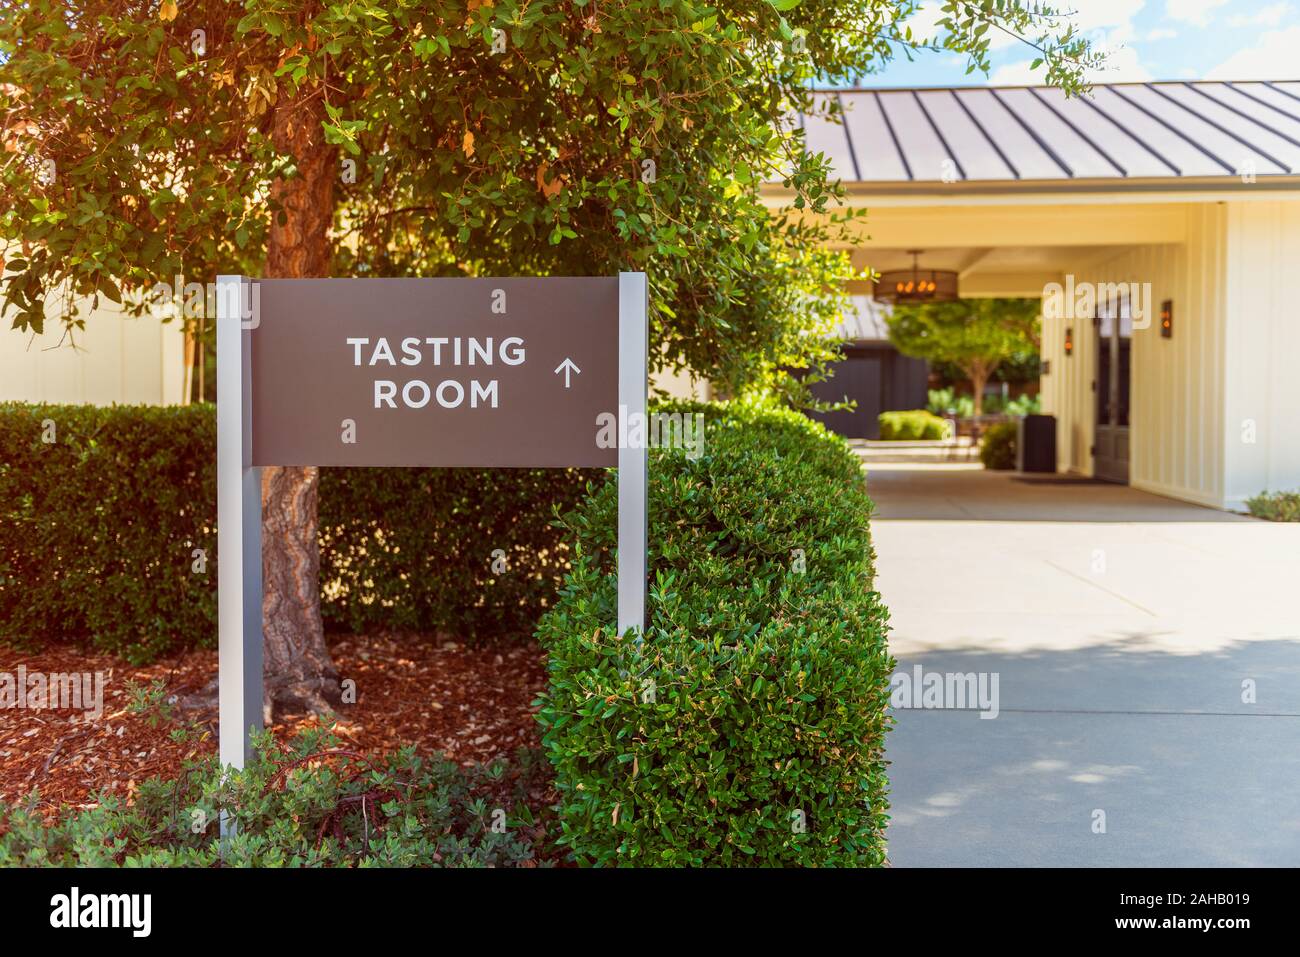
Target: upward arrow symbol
[{"x": 569, "y": 368}]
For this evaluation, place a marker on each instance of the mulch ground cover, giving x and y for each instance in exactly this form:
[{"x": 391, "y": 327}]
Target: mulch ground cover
[{"x": 473, "y": 703}]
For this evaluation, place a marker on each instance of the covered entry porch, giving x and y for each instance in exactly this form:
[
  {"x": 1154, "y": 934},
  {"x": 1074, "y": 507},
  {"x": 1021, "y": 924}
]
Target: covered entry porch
[
  {"x": 1185, "y": 194},
  {"x": 1201, "y": 412}
]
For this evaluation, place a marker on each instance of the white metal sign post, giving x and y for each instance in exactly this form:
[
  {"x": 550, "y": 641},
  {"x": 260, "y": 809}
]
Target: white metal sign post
[
  {"x": 633, "y": 336},
  {"x": 239, "y": 532},
  {"x": 532, "y": 364}
]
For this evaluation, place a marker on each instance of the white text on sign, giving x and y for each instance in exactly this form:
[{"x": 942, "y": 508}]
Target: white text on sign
[{"x": 438, "y": 351}]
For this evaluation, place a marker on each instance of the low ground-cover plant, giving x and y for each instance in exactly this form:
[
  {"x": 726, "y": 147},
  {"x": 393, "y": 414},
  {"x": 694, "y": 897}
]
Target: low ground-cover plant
[
  {"x": 1275, "y": 506},
  {"x": 108, "y": 535},
  {"x": 748, "y": 726},
  {"x": 311, "y": 804},
  {"x": 1024, "y": 404},
  {"x": 947, "y": 401},
  {"x": 912, "y": 424},
  {"x": 998, "y": 447}
]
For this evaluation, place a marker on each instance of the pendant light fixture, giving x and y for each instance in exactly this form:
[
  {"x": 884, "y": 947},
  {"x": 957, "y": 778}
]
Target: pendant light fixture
[{"x": 916, "y": 284}]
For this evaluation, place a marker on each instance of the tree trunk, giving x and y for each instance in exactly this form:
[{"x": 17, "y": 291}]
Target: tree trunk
[
  {"x": 978, "y": 373},
  {"x": 299, "y": 673}
]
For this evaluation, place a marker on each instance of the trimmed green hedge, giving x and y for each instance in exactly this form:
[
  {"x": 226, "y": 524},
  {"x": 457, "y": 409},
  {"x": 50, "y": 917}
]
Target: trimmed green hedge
[
  {"x": 98, "y": 532},
  {"x": 911, "y": 424},
  {"x": 98, "y": 528},
  {"x": 415, "y": 548},
  {"x": 998, "y": 447},
  {"x": 748, "y": 727}
]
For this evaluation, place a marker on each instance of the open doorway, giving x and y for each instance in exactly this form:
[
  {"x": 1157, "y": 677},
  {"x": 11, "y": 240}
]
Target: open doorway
[{"x": 1114, "y": 328}]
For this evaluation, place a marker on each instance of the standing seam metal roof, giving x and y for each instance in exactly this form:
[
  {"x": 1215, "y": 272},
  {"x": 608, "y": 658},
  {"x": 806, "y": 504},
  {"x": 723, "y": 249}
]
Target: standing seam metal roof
[{"x": 1004, "y": 134}]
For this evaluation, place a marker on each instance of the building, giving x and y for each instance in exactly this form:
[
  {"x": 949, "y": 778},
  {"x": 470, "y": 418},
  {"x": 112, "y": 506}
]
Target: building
[
  {"x": 873, "y": 373},
  {"x": 116, "y": 358},
  {"x": 1178, "y": 202}
]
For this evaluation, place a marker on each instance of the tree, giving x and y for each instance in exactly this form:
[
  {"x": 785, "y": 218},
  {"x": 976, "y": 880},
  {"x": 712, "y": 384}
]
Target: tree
[
  {"x": 976, "y": 335},
  {"x": 289, "y": 138}
]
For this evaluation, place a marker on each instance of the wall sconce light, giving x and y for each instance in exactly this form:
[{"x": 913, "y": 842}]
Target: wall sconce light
[
  {"x": 1069, "y": 341},
  {"x": 1167, "y": 319}
]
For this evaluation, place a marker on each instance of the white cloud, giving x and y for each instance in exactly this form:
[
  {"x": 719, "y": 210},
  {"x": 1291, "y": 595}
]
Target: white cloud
[
  {"x": 1272, "y": 58},
  {"x": 924, "y": 25},
  {"x": 1113, "y": 17},
  {"x": 1192, "y": 11},
  {"x": 1123, "y": 66},
  {"x": 924, "y": 22},
  {"x": 1110, "y": 15},
  {"x": 1015, "y": 74},
  {"x": 1108, "y": 26},
  {"x": 1161, "y": 33},
  {"x": 1270, "y": 16}
]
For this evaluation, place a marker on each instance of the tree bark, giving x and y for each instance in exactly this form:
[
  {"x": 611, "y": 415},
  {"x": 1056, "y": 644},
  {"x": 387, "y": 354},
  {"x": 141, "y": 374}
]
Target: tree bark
[
  {"x": 979, "y": 374},
  {"x": 299, "y": 672}
]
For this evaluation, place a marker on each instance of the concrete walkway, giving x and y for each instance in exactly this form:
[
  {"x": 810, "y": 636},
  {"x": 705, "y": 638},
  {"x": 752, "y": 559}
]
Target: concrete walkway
[{"x": 1126, "y": 632}]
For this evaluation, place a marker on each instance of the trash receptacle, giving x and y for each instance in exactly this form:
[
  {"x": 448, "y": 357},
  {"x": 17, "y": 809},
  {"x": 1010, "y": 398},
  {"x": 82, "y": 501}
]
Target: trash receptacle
[{"x": 1036, "y": 444}]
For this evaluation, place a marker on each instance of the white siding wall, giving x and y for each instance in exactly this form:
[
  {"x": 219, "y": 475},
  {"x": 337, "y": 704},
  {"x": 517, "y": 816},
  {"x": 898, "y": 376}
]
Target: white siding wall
[
  {"x": 1177, "y": 383},
  {"x": 1064, "y": 391},
  {"x": 117, "y": 359},
  {"x": 1232, "y": 366},
  {"x": 1263, "y": 349}
]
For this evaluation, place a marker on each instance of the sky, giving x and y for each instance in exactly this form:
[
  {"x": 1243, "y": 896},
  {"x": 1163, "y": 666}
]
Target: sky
[{"x": 1145, "y": 40}]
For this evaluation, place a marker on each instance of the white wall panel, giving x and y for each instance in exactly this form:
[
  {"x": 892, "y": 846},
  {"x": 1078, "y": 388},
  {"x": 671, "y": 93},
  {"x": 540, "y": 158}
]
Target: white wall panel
[
  {"x": 1263, "y": 349},
  {"x": 116, "y": 358},
  {"x": 1177, "y": 384}
]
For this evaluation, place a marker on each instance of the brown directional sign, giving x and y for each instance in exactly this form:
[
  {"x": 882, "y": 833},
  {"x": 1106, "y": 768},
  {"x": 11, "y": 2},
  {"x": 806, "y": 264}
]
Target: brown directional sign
[{"x": 434, "y": 372}]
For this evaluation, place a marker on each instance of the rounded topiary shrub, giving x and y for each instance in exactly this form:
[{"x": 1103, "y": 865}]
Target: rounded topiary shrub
[
  {"x": 998, "y": 447},
  {"x": 912, "y": 424},
  {"x": 748, "y": 726}
]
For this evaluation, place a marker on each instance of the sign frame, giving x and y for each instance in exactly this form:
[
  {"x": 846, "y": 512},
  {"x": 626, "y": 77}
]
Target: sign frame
[{"x": 239, "y": 504}]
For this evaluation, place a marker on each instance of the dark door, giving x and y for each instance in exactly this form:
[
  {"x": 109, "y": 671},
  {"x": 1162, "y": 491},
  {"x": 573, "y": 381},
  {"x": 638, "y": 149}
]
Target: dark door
[
  {"x": 879, "y": 379},
  {"x": 1114, "y": 326},
  {"x": 858, "y": 377}
]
